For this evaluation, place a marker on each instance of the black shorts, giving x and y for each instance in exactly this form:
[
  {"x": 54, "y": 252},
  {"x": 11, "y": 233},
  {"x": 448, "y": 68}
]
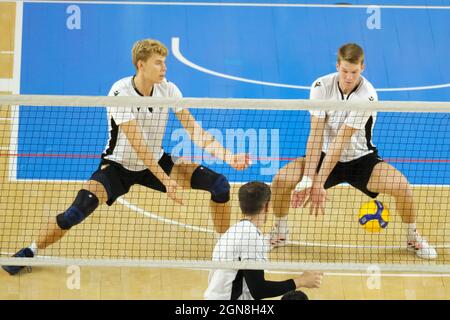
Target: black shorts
[
  {"x": 356, "y": 172},
  {"x": 117, "y": 180}
]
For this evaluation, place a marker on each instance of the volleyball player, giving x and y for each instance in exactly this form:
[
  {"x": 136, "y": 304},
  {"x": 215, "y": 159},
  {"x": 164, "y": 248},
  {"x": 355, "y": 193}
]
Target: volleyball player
[
  {"x": 339, "y": 150},
  {"x": 245, "y": 242},
  {"x": 134, "y": 154}
]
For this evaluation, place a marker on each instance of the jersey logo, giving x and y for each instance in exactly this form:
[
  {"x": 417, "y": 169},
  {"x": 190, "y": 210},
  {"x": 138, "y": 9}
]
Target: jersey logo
[
  {"x": 116, "y": 93},
  {"x": 371, "y": 98},
  {"x": 317, "y": 84},
  {"x": 148, "y": 109}
]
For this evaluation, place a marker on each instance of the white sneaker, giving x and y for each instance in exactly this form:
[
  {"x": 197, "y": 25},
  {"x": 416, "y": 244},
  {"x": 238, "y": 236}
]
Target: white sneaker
[
  {"x": 278, "y": 236},
  {"x": 421, "y": 247}
]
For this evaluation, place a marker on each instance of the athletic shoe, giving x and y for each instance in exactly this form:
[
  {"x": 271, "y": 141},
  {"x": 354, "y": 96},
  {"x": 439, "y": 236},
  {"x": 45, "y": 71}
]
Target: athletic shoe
[
  {"x": 23, "y": 253},
  {"x": 421, "y": 247}
]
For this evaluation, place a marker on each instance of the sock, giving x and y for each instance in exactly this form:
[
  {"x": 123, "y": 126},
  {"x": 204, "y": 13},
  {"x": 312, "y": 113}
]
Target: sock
[
  {"x": 411, "y": 230},
  {"x": 33, "y": 247}
]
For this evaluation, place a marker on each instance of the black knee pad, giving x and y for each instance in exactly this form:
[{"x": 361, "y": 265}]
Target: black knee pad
[
  {"x": 208, "y": 180},
  {"x": 84, "y": 204}
]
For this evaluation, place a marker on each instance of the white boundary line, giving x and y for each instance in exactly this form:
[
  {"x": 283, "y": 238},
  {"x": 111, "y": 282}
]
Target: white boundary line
[
  {"x": 16, "y": 90},
  {"x": 6, "y": 84},
  {"x": 177, "y": 54},
  {"x": 6, "y": 52},
  {"x": 238, "y": 4}
]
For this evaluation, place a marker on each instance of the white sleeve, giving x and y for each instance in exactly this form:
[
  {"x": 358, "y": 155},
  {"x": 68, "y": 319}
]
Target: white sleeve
[
  {"x": 176, "y": 93},
  {"x": 317, "y": 93},
  {"x": 120, "y": 115}
]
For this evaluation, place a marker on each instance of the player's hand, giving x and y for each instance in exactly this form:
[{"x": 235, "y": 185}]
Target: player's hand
[
  {"x": 317, "y": 199},
  {"x": 173, "y": 191},
  {"x": 309, "y": 279},
  {"x": 239, "y": 161},
  {"x": 299, "y": 198}
]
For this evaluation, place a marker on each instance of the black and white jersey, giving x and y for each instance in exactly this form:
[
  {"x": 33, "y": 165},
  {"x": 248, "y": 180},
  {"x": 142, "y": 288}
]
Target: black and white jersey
[
  {"x": 327, "y": 88},
  {"x": 152, "y": 121},
  {"x": 241, "y": 242}
]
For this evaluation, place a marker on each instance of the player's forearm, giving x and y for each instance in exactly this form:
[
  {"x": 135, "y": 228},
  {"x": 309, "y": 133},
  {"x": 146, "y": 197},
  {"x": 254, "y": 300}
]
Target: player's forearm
[
  {"x": 201, "y": 137},
  {"x": 313, "y": 152},
  {"x": 329, "y": 162},
  {"x": 153, "y": 165},
  {"x": 261, "y": 288},
  {"x": 134, "y": 135}
]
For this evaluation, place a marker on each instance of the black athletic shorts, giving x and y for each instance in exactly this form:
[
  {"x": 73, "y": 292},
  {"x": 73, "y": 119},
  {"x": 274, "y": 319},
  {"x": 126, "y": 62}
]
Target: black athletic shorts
[
  {"x": 356, "y": 172},
  {"x": 118, "y": 180}
]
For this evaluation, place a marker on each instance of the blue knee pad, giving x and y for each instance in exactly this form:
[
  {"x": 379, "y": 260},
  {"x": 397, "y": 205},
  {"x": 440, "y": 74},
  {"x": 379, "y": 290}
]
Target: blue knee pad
[
  {"x": 208, "y": 180},
  {"x": 85, "y": 203}
]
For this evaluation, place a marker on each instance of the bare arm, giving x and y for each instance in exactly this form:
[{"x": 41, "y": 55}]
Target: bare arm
[
  {"x": 134, "y": 135},
  {"x": 334, "y": 153},
  {"x": 207, "y": 142},
  {"x": 314, "y": 146}
]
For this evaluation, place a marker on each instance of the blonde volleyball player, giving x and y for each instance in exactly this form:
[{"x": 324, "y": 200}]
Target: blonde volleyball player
[
  {"x": 134, "y": 154},
  {"x": 340, "y": 149},
  {"x": 245, "y": 242}
]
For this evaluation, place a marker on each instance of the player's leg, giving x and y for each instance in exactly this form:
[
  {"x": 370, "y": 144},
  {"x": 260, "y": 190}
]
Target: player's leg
[
  {"x": 191, "y": 175},
  {"x": 84, "y": 204},
  {"x": 104, "y": 186},
  {"x": 87, "y": 200},
  {"x": 388, "y": 180},
  {"x": 283, "y": 184}
]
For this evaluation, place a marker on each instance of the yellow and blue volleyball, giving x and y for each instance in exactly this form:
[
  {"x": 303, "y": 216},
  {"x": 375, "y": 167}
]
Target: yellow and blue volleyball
[{"x": 374, "y": 216}]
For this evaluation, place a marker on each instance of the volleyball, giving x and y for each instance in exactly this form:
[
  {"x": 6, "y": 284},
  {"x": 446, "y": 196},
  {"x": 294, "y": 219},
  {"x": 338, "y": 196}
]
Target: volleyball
[{"x": 374, "y": 216}]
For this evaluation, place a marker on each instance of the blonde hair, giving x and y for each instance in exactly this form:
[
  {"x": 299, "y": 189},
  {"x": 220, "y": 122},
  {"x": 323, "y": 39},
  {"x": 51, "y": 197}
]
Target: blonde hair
[
  {"x": 144, "y": 49},
  {"x": 352, "y": 53}
]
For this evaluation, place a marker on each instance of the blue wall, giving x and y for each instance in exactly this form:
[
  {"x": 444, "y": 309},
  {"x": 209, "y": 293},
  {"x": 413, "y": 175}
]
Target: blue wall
[{"x": 272, "y": 44}]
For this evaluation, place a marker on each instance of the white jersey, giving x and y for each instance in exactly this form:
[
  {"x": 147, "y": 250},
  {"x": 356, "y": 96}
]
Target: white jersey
[
  {"x": 241, "y": 242},
  {"x": 327, "y": 88},
  {"x": 153, "y": 123}
]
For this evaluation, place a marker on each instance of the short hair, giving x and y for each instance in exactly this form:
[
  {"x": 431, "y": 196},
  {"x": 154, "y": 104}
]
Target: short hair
[
  {"x": 144, "y": 49},
  {"x": 352, "y": 53},
  {"x": 253, "y": 196},
  {"x": 295, "y": 295}
]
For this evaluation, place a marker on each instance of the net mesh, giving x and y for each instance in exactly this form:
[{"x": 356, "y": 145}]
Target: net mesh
[{"x": 51, "y": 146}]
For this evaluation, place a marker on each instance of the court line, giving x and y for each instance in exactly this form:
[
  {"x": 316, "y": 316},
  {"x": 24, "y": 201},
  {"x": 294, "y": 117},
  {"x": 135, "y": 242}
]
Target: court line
[
  {"x": 238, "y": 4},
  {"x": 328, "y": 273},
  {"x": 200, "y": 159},
  {"x": 179, "y": 56},
  {"x": 6, "y": 84},
  {"x": 6, "y": 52},
  {"x": 14, "y": 139},
  {"x": 298, "y": 243},
  {"x": 6, "y": 119}
]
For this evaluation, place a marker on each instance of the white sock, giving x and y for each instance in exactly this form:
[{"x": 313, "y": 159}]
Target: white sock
[
  {"x": 281, "y": 223},
  {"x": 33, "y": 247},
  {"x": 411, "y": 230}
]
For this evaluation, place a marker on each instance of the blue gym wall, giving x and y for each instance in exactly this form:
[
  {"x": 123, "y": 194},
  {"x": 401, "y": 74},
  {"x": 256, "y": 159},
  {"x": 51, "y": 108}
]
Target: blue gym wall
[{"x": 288, "y": 45}]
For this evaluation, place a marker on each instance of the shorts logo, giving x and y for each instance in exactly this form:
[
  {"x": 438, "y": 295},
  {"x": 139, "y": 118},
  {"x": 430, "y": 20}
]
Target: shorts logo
[
  {"x": 116, "y": 93},
  {"x": 371, "y": 98},
  {"x": 318, "y": 84}
]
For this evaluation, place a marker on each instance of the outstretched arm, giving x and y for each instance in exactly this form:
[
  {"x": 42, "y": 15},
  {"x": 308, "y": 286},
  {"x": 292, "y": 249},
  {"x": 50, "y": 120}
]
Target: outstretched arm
[
  {"x": 207, "y": 142},
  {"x": 334, "y": 152},
  {"x": 313, "y": 151}
]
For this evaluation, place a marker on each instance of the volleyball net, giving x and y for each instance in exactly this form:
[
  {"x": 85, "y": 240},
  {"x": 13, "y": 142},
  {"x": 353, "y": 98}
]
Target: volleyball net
[{"x": 51, "y": 145}]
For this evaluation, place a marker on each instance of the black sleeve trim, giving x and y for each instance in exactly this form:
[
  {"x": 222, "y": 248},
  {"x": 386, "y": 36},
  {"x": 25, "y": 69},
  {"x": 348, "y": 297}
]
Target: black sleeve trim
[{"x": 260, "y": 288}]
